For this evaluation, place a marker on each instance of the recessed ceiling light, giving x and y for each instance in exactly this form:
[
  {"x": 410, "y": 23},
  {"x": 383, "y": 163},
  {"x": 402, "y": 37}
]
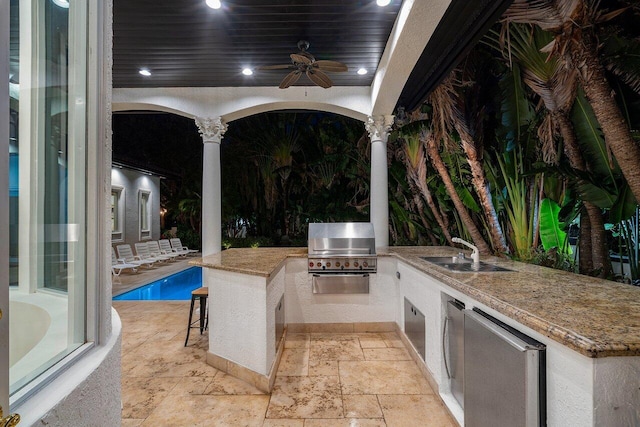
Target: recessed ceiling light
[
  {"x": 145, "y": 72},
  {"x": 382, "y": 3},
  {"x": 214, "y": 4},
  {"x": 247, "y": 71},
  {"x": 362, "y": 71},
  {"x": 61, "y": 3}
]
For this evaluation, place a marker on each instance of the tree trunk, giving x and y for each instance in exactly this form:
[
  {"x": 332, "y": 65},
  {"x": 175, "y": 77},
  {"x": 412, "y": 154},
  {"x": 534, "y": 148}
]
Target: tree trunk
[
  {"x": 583, "y": 56},
  {"x": 599, "y": 259},
  {"x": 585, "y": 247},
  {"x": 481, "y": 186},
  {"x": 420, "y": 207},
  {"x": 433, "y": 153},
  {"x": 599, "y": 253}
]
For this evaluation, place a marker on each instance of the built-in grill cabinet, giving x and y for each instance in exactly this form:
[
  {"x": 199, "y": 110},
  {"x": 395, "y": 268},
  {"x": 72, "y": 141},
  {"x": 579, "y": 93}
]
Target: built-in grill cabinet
[{"x": 341, "y": 257}]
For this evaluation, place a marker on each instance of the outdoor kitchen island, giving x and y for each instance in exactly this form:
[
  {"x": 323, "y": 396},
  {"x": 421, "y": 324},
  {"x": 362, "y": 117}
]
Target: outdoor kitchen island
[{"x": 591, "y": 327}]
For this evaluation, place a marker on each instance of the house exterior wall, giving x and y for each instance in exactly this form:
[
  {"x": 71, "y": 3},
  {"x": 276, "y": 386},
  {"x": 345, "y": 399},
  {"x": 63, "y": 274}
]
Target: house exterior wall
[{"x": 131, "y": 183}]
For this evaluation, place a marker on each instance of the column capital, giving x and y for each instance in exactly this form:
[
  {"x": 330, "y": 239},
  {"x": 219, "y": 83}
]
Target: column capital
[
  {"x": 379, "y": 127},
  {"x": 211, "y": 129}
]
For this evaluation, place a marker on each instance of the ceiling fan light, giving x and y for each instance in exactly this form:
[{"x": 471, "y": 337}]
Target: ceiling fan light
[
  {"x": 144, "y": 72},
  {"x": 247, "y": 71},
  {"x": 362, "y": 71},
  {"x": 383, "y": 3},
  {"x": 214, "y": 4}
]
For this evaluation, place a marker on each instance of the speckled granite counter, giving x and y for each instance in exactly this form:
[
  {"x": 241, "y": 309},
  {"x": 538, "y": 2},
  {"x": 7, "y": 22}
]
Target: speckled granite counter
[
  {"x": 256, "y": 262},
  {"x": 596, "y": 318}
]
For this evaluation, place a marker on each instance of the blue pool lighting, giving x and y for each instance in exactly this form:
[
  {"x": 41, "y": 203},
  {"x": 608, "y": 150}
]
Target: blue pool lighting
[{"x": 172, "y": 288}]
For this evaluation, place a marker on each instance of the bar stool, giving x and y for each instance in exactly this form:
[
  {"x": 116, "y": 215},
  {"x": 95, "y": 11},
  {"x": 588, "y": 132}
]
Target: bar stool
[{"x": 203, "y": 322}]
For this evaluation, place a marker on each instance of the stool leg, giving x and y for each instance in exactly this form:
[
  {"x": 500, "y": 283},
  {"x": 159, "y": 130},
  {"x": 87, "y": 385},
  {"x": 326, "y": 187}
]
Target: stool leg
[
  {"x": 189, "y": 324},
  {"x": 203, "y": 304}
]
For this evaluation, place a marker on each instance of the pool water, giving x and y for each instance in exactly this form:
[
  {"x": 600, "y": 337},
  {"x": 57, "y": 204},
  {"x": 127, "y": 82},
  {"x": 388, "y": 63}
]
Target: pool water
[{"x": 175, "y": 287}]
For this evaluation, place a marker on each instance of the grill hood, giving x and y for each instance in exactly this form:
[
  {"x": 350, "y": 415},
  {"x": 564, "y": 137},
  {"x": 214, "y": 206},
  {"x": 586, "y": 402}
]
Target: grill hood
[{"x": 341, "y": 239}]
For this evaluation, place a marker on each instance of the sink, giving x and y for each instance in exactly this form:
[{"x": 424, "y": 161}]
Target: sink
[{"x": 453, "y": 263}]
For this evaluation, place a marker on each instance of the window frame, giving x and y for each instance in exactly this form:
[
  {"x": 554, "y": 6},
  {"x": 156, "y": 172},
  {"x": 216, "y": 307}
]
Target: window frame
[
  {"x": 118, "y": 234},
  {"x": 144, "y": 233}
]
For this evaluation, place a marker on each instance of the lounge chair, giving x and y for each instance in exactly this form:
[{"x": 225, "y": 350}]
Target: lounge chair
[
  {"x": 176, "y": 244},
  {"x": 165, "y": 246},
  {"x": 125, "y": 252},
  {"x": 143, "y": 252},
  {"x": 117, "y": 265},
  {"x": 156, "y": 251}
]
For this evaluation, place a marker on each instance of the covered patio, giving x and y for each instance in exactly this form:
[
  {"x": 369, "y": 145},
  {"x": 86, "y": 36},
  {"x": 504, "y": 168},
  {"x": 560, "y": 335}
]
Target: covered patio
[{"x": 409, "y": 47}]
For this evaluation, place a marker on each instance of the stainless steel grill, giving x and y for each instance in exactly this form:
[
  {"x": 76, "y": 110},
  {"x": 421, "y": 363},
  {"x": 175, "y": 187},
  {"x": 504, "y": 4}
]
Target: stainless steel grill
[{"x": 341, "y": 256}]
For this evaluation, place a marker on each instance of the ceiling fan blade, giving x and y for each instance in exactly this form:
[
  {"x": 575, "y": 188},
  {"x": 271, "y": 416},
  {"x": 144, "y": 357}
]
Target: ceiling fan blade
[
  {"x": 319, "y": 78},
  {"x": 275, "y": 67},
  {"x": 300, "y": 59},
  {"x": 290, "y": 79},
  {"x": 331, "y": 66}
]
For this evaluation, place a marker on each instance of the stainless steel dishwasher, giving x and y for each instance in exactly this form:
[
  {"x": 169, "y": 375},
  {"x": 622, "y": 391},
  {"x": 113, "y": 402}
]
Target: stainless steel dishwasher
[
  {"x": 453, "y": 348},
  {"x": 504, "y": 374}
]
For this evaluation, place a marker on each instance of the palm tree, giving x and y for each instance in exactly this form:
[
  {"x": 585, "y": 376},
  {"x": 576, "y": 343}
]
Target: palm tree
[
  {"x": 556, "y": 87},
  {"x": 416, "y": 164},
  {"x": 467, "y": 120},
  {"x": 428, "y": 138},
  {"x": 575, "y": 24}
]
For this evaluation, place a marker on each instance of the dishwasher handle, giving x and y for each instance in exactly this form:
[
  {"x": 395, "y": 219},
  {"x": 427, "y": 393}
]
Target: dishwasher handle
[{"x": 445, "y": 356}]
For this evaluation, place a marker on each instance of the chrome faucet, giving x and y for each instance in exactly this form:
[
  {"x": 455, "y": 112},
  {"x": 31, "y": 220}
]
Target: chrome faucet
[{"x": 475, "y": 254}]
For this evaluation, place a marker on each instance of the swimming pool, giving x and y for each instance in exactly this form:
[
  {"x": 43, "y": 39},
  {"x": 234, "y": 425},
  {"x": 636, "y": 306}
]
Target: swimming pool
[{"x": 175, "y": 287}]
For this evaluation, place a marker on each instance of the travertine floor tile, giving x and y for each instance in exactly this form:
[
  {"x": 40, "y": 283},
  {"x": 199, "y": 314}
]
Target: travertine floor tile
[
  {"x": 140, "y": 396},
  {"x": 283, "y": 423},
  {"x": 227, "y": 384},
  {"x": 419, "y": 410},
  {"x": 294, "y": 362},
  {"x": 361, "y": 406},
  {"x": 372, "y": 341},
  {"x": 378, "y": 377},
  {"x": 306, "y": 397},
  {"x": 348, "y": 422},
  {"x": 131, "y": 422},
  {"x": 323, "y": 368},
  {"x": 168, "y": 360},
  {"x": 297, "y": 341},
  {"x": 339, "y": 349},
  {"x": 395, "y": 353},
  {"x": 192, "y": 385},
  {"x": 392, "y": 339},
  {"x": 209, "y": 411}
]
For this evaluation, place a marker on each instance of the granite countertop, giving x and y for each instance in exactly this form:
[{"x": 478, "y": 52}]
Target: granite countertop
[
  {"x": 597, "y": 318},
  {"x": 253, "y": 261},
  {"x": 594, "y": 317}
]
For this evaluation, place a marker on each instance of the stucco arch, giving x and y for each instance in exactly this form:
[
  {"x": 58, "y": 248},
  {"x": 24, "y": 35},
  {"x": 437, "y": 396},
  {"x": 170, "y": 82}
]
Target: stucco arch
[{"x": 235, "y": 103}]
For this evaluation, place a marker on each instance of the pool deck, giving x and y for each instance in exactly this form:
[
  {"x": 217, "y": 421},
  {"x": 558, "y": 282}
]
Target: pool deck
[{"x": 127, "y": 281}]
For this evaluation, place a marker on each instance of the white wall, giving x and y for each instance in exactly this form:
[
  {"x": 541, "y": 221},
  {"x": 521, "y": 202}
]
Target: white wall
[{"x": 132, "y": 182}]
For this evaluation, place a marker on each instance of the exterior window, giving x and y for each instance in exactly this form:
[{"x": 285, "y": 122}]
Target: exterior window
[
  {"x": 117, "y": 214},
  {"x": 145, "y": 214},
  {"x": 47, "y": 170}
]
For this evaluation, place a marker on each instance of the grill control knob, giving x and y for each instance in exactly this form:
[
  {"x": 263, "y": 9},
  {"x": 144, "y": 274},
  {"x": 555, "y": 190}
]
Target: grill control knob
[
  {"x": 366, "y": 264},
  {"x": 346, "y": 264},
  {"x": 329, "y": 264},
  {"x": 337, "y": 263},
  {"x": 311, "y": 264},
  {"x": 355, "y": 263}
]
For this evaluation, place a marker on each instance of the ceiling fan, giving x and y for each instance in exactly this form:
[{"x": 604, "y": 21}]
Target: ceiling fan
[{"x": 304, "y": 62}]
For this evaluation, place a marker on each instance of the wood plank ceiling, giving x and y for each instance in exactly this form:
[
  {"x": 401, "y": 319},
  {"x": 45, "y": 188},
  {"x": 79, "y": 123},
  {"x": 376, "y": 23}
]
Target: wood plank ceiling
[{"x": 186, "y": 44}]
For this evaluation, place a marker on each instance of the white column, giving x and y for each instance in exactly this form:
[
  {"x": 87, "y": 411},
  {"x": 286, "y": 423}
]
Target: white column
[
  {"x": 378, "y": 128},
  {"x": 211, "y": 130}
]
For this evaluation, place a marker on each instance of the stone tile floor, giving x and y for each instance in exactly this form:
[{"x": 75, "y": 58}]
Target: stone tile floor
[{"x": 355, "y": 379}]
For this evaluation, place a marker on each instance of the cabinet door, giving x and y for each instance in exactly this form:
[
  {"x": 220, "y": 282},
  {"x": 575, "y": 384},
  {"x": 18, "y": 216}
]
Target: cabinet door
[{"x": 414, "y": 327}]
